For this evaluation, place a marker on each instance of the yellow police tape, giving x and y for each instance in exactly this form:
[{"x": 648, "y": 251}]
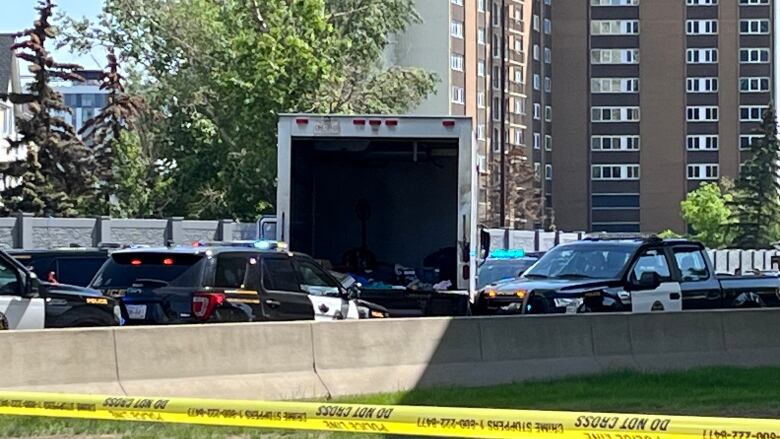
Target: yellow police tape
[{"x": 400, "y": 420}]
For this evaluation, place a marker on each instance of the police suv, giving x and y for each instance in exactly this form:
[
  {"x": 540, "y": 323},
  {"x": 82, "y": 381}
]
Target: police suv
[
  {"x": 226, "y": 282},
  {"x": 28, "y": 303}
]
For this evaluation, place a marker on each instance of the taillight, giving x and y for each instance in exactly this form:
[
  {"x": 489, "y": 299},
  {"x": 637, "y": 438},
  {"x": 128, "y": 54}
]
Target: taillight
[{"x": 204, "y": 304}]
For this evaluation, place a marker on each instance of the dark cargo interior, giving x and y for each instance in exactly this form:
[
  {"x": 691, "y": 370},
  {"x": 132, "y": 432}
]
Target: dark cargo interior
[{"x": 402, "y": 194}]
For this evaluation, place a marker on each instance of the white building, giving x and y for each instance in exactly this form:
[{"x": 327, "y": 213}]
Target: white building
[{"x": 9, "y": 83}]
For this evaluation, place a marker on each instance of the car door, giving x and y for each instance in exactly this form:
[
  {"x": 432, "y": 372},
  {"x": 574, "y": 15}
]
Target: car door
[
  {"x": 324, "y": 291},
  {"x": 281, "y": 296},
  {"x": 667, "y": 296},
  {"x": 16, "y": 311},
  {"x": 700, "y": 290}
]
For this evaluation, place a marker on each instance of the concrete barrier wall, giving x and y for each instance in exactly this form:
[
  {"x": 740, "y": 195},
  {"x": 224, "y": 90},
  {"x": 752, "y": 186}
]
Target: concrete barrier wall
[{"x": 316, "y": 360}]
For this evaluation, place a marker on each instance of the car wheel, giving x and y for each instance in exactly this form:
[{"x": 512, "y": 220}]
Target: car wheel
[{"x": 3, "y": 322}]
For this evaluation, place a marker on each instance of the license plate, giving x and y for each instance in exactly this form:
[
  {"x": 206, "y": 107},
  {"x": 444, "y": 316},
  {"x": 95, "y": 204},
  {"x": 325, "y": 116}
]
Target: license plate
[
  {"x": 327, "y": 127},
  {"x": 136, "y": 312}
]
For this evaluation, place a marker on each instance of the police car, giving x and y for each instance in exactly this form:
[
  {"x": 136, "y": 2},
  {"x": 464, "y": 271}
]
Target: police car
[
  {"x": 237, "y": 281},
  {"x": 500, "y": 267},
  {"x": 28, "y": 303}
]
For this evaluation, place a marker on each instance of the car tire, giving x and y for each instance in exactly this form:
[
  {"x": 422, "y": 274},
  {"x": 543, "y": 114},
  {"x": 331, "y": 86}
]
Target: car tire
[{"x": 4, "y": 322}]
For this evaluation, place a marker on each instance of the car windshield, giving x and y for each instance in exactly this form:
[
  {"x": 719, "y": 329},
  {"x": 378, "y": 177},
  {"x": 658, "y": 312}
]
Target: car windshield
[
  {"x": 494, "y": 271},
  {"x": 597, "y": 261},
  {"x": 160, "y": 269}
]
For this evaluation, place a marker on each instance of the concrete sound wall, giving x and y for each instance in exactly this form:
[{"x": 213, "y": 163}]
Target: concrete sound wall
[{"x": 317, "y": 360}]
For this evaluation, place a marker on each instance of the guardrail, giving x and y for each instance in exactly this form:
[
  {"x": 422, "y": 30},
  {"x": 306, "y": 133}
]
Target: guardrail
[{"x": 319, "y": 360}]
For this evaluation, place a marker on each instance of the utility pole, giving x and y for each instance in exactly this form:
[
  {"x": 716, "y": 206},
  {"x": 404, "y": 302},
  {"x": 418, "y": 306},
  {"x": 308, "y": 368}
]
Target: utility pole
[{"x": 502, "y": 135}]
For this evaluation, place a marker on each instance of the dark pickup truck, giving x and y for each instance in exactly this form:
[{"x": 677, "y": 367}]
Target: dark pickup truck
[{"x": 629, "y": 275}]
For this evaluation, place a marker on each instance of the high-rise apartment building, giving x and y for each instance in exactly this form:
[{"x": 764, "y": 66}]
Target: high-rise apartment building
[
  {"x": 461, "y": 41},
  {"x": 653, "y": 97}
]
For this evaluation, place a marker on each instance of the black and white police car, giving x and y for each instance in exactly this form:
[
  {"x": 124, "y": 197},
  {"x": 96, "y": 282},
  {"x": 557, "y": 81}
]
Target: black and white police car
[
  {"x": 212, "y": 282},
  {"x": 28, "y": 303}
]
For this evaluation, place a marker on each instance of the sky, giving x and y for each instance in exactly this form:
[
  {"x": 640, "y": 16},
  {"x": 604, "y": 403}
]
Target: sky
[{"x": 19, "y": 14}]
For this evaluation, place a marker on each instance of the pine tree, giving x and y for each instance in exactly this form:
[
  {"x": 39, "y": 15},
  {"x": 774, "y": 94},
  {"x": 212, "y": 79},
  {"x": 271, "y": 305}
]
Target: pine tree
[
  {"x": 104, "y": 132},
  {"x": 55, "y": 178},
  {"x": 756, "y": 206}
]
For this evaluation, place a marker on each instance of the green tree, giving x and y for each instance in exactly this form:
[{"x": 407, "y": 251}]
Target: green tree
[
  {"x": 756, "y": 206},
  {"x": 105, "y": 130},
  {"x": 707, "y": 212},
  {"x": 219, "y": 72},
  {"x": 56, "y": 177}
]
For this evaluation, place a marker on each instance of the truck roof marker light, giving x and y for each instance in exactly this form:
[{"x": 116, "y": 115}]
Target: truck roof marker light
[
  {"x": 135, "y": 262},
  {"x": 449, "y": 123},
  {"x": 302, "y": 121},
  {"x": 359, "y": 122},
  {"x": 391, "y": 122},
  {"x": 375, "y": 122}
]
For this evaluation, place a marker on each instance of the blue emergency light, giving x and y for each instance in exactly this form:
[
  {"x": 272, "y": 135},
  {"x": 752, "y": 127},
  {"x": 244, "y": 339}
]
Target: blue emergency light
[{"x": 507, "y": 254}]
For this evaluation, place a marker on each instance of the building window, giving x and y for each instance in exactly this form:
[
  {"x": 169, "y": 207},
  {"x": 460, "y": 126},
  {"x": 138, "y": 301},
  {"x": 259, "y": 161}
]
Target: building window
[
  {"x": 702, "y": 27},
  {"x": 752, "y": 113},
  {"x": 614, "y": 56},
  {"x": 496, "y": 141},
  {"x": 537, "y": 140},
  {"x": 548, "y": 143},
  {"x": 536, "y": 52},
  {"x": 520, "y": 106},
  {"x": 536, "y": 22},
  {"x": 703, "y": 172},
  {"x": 702, "y": 2},
  {"x": 614, "y": 172},
  {"x": 496, "y": 14},
  {"x": 702, "y": 85},
  {"x": 519, "y": 13},
  {"x": 481, "y": 131},
  {"x": 547, "y": 26},
  {"x": 702, "y": 56},
  {"x": 548, "y": 113},
  {"x": 547, "y": 55},
  {"x": 481, "y": 69},
  {"x": 496, "y": 77},
  {"x": 457, "y": 2},
  {"x": 537, "y": 111},
  {"x": 520, "y": 137},
  {"x": 456, "y": 62},
  {"x": 548, "y": 172},
  {"x": 614, "y": 2},
  {"x": 754, "y": 56},
  {"x": 614, "y": 114},
  {"x": 457, "y": 95},
  {"x": 481, "y": 99},
  {"x": 537, "y": 82},
  {"x": 614, "y": 143},
  {"x": 547, "y": 84},
  {"x": 753, "y": 84},
  {"x": 702, "y": 143},
  {"x": 519, "y": 77},
  {"x": 456, "y": 29},
  {"x": 614, "y": 85},
  {"x": 481, "y": 5},
  {"x": 481, "y": 35},
  {"x": 496, "y": 109},
  {"x": 614, "y": 27},
  {"x": 496, "y": 46},
  {"x": 746, "y": 140},
  {"x": 702, "y": 114},
  {"x": 537, "y": 169},
  {"x": 754, "y": 27},
  {"x": 753, "y": 2}
]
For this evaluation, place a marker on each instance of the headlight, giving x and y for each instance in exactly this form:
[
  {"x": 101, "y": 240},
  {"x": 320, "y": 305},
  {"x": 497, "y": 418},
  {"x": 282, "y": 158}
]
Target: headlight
[
  {"x": 492, "y": 294},
  {"x": 377, "y": 315},
  {"x": 568, "y": 303}
]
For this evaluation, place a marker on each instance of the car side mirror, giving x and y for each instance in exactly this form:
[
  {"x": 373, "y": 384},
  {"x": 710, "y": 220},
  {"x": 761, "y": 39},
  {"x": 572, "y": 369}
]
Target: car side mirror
[
  {"x": 353, "y": 292},
  {"x": 649, "y": 280},
  {"x": 484, "y": 243},
  {"x": 32, "y": 286}
]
